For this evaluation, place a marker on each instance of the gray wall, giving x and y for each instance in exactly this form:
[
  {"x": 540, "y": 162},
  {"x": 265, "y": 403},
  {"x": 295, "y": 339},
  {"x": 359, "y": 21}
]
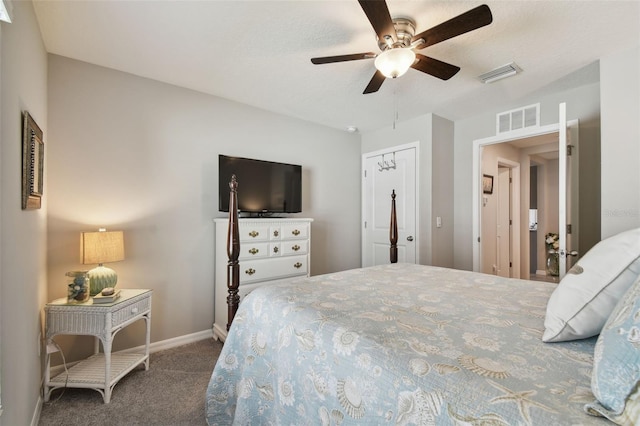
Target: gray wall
[
  {"x": 620, "y": 88},
  {"x": 23, "y": 264},
  {"x": 583, "y": 103},
  {"x": 134, "y": 154}
]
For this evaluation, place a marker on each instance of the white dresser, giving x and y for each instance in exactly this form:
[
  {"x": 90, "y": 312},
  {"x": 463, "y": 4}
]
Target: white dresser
[{"x": 270, "y": 250}]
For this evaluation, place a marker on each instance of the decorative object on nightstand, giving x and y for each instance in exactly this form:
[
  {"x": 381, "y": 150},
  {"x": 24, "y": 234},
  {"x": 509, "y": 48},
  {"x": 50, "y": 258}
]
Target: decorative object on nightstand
[
  {"x": 107, "y": 295},
  {"x": 101, "y": 247},
  {"x": 552, "y": 243},
  {"x": 77, "y": 286}
]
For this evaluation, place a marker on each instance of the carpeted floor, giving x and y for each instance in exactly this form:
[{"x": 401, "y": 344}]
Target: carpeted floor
[{"x": 171, "y": 392}]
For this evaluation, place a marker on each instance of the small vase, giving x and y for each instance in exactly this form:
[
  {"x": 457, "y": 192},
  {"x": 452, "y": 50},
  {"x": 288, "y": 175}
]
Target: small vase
[
  {"x": 553, "y": 263},
  {"x": 77, "y": 287}
]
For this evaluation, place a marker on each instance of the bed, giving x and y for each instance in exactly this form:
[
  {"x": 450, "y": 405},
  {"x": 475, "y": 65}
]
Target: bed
[{"x": 399, "y": 344}]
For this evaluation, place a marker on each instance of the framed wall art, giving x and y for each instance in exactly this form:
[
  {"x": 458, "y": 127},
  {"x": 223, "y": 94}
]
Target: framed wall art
[
  {"x": 487, "y": 184},
  {"x": 32, "y": 164}
]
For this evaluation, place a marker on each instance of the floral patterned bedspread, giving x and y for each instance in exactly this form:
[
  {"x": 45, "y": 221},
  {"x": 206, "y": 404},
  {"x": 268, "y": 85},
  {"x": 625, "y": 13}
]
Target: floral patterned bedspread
[{"x": 399, "y": 344}]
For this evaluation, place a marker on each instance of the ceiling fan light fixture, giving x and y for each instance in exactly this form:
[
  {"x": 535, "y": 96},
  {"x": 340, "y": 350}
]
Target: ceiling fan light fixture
[{"x": 393, "y": 63}]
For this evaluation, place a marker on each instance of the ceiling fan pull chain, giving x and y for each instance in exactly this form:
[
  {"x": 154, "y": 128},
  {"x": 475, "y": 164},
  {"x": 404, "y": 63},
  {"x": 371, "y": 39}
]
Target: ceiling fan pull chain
[{"x": 395, "y": 102}]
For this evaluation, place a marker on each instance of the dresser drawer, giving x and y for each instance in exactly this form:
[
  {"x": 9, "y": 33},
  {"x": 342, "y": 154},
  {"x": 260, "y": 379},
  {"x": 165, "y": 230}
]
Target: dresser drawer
[
  {"x": 130, "y": 310},
  {"x": 254, "y": 250},
  {"x": 254, "y": 232},
  {"x": 273, "y": 268},
  {"x": 294, "y": 247},
  {"x": 297, "y": 230}
]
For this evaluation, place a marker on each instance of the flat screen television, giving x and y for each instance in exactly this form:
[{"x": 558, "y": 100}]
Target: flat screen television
[{"x": 264, "y": 187}]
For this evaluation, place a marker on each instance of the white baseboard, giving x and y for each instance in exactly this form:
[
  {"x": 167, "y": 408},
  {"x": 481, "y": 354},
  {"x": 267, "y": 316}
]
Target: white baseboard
[
  {"x": 36, "y": 414},
  {"x": 219, "y": 333},
  {"x": 173, "y": 342}
]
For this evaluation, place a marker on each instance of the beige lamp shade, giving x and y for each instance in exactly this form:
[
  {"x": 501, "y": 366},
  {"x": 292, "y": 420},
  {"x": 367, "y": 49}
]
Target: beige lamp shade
[{"x": 101, "y": 247}]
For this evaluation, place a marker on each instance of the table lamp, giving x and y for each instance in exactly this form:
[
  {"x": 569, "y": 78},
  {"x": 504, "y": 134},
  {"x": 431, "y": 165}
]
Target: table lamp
[{"x": 101, "y": 247}]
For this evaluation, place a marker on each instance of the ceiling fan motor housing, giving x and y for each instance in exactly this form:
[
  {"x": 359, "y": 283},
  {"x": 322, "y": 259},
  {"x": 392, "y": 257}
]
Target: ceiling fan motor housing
[{"x": 405, "y": 29}]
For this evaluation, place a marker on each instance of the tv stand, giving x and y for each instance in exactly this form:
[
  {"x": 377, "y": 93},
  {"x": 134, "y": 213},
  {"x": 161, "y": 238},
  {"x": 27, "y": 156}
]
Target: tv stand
[{"x": 271, "y": 250}]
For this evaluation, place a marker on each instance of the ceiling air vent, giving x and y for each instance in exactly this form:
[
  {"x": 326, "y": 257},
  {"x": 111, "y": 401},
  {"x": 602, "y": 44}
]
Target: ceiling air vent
[
  {"x": 517, "y": 119},
  {"x": 500, "y": 73}
]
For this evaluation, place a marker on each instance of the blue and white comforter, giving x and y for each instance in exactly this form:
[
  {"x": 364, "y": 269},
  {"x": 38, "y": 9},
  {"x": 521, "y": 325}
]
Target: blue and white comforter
[{"x": 399, "y": 344}]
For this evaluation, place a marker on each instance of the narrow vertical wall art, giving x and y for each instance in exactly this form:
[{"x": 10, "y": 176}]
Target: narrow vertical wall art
[{"x": 32, "y": 164}]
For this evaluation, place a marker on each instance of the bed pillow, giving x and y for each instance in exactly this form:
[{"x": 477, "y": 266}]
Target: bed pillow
[
  {"x": 616, "y": 362},
  {"x": 585, "y": 297}
]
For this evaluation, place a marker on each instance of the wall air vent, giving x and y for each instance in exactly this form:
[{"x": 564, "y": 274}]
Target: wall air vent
[
  {"x": 500, "y": 73},
  {"x": 517, "y": 119}
]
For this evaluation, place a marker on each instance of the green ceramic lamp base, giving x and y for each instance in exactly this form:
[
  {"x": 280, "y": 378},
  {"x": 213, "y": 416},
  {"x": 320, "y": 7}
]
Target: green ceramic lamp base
[{"x": 102, "y": 277}]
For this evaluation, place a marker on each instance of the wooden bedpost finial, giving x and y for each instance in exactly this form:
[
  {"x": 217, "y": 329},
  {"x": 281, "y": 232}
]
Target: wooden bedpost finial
[{"x": 393, "y": 230}]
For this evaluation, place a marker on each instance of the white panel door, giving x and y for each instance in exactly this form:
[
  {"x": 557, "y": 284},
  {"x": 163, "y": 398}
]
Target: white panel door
[{"x": 384, "y": 172}]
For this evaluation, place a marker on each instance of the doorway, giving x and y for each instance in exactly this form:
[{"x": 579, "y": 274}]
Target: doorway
[
  {"x": 500, "y": 208},
  {"x": 384, "y": 171},
  {"x": 540, "y": 141}
]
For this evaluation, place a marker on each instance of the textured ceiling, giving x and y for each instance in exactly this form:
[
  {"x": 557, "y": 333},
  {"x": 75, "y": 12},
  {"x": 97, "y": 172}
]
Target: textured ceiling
[{"x": 258, "y": 52}]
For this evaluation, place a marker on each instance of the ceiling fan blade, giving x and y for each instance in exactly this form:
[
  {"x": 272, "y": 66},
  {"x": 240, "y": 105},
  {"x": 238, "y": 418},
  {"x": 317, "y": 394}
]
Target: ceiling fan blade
[
  {"x": 343, "y": 58},
  {"x": 378, "y": 14},
  {"x": 468, "y": 21},
  {"x": 375, "y": 83},
  {"x": 434, "y": 67}
]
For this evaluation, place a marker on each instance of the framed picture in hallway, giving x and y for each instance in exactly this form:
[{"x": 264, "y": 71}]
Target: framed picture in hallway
[
  {"x": 32, "y": 164},
  {"x": 487, "y": 184}
]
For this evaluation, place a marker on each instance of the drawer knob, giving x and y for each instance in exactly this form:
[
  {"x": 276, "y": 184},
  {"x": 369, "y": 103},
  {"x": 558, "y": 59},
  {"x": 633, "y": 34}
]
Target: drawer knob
[
  {"x": 295, "y": 232},
  {"x": 295, "y": 248},
  {"x": 254, "y": 234},
  {"x": 276, "y": 249},
  {"x": 250, "y": 271},
  {"x": 276, "y": 233},
  {"x": 297, "y": 265},
  {"x": 254, "y": 251},
  {"x": 134, "y": 310}
]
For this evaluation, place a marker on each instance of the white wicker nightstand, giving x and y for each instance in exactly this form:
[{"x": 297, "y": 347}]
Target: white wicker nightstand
[{"x": 100, "y": 371}]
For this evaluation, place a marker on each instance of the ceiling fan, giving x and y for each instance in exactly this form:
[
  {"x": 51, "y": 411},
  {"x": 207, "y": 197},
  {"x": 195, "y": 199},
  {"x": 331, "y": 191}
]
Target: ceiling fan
[{"x": 398, "y": 43}]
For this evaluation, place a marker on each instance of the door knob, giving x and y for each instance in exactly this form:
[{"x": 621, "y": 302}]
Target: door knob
[{"x": 409, "y": 238}]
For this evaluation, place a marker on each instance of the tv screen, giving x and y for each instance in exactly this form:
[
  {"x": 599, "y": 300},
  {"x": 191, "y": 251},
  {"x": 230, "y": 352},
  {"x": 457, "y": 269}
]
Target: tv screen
[{"x": 263, "y": 186}]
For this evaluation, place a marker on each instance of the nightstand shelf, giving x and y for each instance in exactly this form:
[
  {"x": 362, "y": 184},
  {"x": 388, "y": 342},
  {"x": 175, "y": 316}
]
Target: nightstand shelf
[
  {"x": 101, "y": 371},
  {"x": 89, "y": 373}
]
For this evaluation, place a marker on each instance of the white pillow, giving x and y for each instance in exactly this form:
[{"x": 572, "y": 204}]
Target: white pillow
[{"x": 585, "y": 297}]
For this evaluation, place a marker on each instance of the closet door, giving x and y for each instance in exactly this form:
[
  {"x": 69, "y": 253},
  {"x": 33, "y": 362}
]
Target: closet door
[{"x": 386, "y": 171}]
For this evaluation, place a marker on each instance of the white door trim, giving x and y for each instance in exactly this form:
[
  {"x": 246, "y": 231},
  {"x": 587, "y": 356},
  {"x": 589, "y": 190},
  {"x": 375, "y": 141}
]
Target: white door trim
[
  {"x": 478, "y": 144},
  {"x": 411, "y": 145}
]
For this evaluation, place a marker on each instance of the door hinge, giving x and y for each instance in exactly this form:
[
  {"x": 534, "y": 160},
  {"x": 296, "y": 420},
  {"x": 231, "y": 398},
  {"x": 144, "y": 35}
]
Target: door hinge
[
  {"x": 510, "y": 265},
  {"x": 365, "y": 224},
  {"x": 510, "y": 222},
  {"x": 510, "y": 180},
  {"x": 365, "y": 173},
  {"x": 569, "y": 150},
  {"x": 569, "y": 229},
  {"x": 478, "y": 239}
]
